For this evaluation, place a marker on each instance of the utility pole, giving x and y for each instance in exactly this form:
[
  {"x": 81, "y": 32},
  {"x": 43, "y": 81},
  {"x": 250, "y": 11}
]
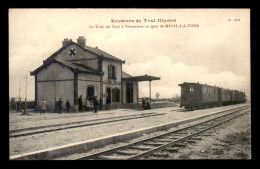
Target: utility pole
[
  {"x": 25, "y": 94},
  {"x": 18, "y": 105},
  {"x": 19, "y": 91}
]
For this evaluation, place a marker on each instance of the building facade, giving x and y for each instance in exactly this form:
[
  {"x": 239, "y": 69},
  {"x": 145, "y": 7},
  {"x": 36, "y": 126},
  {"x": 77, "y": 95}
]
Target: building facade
[{"x": 79, "y": 70}]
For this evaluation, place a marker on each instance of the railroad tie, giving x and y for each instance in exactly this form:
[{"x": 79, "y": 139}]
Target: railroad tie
[
  {"x": 155, "y": 144},
  {"x": 180, "y": 144},
  {"x": 160, "y": 154},
  {"x": 142, "y": 148},
  {"x": 110, "y": 157},
  {"x": 122, "y": 152},
  {"x": 190, "y": 141},
  {"x": 181, "y": 133},
  {"x": 206, "y": 134},
  {"x": 175, "y": 137},
  {"x": 196, "y": 138},
  {"x": 164, "y": 140},
  {"x": 172, "y": 149}
]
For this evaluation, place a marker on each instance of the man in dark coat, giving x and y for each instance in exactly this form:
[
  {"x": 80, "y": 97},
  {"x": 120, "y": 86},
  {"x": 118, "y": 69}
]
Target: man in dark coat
[
  {"x": 143, "y": 103},
  {"x": 80, "y": 103},
  {"x": 60, "y": 105},
  {"x": 107, "y": 102},
  {"x": 68, "y": 105},
  {"x": 95, "y": 102}
]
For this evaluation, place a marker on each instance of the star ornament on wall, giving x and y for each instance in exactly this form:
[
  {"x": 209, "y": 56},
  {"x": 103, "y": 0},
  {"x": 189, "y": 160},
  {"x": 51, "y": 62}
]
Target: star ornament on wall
[{"x": 72, "y": 52}]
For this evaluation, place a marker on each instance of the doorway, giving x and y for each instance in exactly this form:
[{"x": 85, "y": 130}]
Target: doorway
[
  {"x": 90, "y": 92},
  {"x": 129, "y": 92},
  {"x": 108, "y": 94}
]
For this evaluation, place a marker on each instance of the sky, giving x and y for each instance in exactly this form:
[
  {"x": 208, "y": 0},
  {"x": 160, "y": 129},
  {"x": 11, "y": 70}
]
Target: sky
[{"x": 216, "y": 50}]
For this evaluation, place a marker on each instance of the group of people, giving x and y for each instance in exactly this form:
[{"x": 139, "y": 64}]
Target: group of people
[
  {"x": 145, "y": 104},
  {"x": 44, "y": 103},
  {"x": 91, "y": 103}
]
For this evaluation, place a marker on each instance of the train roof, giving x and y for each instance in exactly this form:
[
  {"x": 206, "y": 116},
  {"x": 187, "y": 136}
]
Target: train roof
[{"x": 186, "y": 83}]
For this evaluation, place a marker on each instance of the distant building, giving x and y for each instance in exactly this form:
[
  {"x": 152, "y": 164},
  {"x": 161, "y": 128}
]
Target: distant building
[{"x": 79, "y": 70}]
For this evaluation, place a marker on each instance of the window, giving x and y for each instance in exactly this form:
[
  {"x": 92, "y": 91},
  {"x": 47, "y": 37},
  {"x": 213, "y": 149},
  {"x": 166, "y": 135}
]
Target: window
[
  {"x": 111, "y": 72},
  {"x": 115, "y": 95},
  {"x": 100, "y": 65},
  {"x": 214, "y": 90},
  {"x": 191, "y": 89}
]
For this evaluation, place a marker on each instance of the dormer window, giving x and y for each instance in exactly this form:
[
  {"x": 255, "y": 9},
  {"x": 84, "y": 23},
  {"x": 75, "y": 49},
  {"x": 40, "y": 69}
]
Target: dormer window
[{"x": 111, "y": 72}]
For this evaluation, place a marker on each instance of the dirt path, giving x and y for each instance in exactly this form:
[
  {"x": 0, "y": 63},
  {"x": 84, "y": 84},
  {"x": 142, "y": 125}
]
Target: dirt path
[{"x": 231, "y": 141}]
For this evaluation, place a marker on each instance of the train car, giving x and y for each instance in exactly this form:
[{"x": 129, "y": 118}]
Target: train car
[
  {"x": 199, "y": 96},
  {"x": 225, "y": 96},
  {"x": 210, "y": 97},
  {"x": 191, "y": 95},
  {"x": 241, "y": 97},
  {"x": 232, "y": 96}
]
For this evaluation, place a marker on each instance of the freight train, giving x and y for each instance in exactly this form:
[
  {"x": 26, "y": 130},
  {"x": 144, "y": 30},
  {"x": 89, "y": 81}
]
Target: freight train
[{"x": 199, "y": 96}]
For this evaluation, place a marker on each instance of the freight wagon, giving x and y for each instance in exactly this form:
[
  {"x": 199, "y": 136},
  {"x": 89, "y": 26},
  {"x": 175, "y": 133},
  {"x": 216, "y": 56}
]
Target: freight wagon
[{"x": 199, "y": 96}]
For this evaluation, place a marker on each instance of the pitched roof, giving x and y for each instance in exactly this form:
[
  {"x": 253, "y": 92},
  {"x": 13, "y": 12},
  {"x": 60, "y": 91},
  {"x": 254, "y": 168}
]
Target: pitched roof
[
  {"x": 102, "y": 53},
  {"x": 125, "y": 75},
  {"x": 99, "y": 53},
  {"x": 74, "y": 67}
]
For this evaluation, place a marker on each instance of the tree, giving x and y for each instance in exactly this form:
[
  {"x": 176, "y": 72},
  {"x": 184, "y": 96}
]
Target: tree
[
  {"x": 157, "y": 95},
  {"x": 12, "y": 104}
]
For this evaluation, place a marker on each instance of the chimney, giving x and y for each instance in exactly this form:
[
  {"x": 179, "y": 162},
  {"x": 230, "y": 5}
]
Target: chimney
[
  {"x": 65, "y": 41},
  {"x": 81, "y": 40}
]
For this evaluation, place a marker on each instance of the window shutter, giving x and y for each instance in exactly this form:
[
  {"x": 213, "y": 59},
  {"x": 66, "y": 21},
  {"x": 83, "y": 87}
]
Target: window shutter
[
  {"x": 115, "y": 72},
  {"x": 109, "y": 70}
]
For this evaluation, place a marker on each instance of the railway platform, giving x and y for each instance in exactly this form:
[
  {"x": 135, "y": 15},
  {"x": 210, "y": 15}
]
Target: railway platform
[{"x": 49, "y": 135}]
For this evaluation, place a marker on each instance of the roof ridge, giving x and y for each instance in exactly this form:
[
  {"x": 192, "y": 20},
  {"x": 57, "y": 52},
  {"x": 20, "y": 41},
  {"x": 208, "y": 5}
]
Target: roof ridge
[{"x": 96, "y": 48}]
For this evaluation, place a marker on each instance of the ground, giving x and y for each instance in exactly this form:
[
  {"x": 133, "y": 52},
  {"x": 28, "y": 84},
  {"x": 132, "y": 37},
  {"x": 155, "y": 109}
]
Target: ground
[{"x": 231, "y": 141}]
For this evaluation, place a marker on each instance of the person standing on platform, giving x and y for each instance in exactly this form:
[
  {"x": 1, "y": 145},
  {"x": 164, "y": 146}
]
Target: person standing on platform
[
  {"x": 95, "y": 103},
  {"x": 80, "y": 103},
  {"x": 68, "y": 105},
  {"x": 88, "y": 106},
  {"x": 107, "y": 102},
  {"x": 43, "y": 106},
  {"x": 143, "y": 103},
  {"x": 60, "y": 105}
]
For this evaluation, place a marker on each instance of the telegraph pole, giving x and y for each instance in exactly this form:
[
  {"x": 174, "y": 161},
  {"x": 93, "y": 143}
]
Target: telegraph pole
[
  {"x": 25, "y": 94},
  {"x": 19, "y": 91}
]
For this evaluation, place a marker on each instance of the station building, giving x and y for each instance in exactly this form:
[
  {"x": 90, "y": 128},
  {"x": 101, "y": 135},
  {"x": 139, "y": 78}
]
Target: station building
[{"x": 79, "y": 70}]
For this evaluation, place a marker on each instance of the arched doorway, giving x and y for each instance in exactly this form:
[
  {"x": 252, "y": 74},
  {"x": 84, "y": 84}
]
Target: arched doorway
[{"x": 90, "y": 91}]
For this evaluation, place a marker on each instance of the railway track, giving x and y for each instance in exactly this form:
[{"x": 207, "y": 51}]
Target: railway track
[
  {"x": 84, "y": 123},
  {"x": 161, "y": 146}
]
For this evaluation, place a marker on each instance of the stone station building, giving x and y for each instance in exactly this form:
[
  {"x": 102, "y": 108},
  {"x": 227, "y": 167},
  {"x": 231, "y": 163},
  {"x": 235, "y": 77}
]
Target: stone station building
[{"x": 79, "y": 70}]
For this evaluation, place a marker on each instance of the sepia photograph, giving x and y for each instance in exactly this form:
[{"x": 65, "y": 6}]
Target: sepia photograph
[{"x": 129, "y": 84}]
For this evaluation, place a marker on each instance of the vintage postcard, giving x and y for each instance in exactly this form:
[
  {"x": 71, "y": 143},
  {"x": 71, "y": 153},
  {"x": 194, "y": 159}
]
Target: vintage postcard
[{"x": 118, "y": 84}]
